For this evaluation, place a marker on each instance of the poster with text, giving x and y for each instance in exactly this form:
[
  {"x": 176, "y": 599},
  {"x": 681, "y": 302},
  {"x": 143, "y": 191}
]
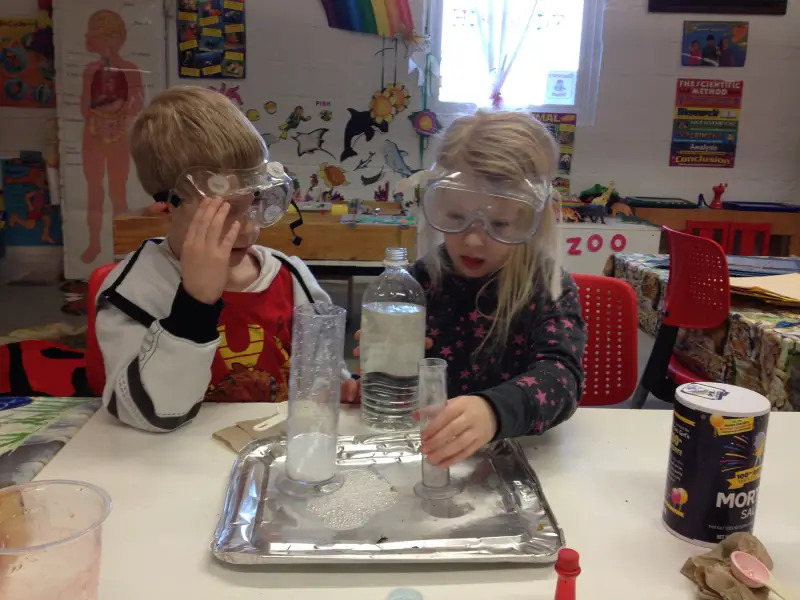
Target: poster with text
[
  {"x": 562, "y": 127},
  {"x": 26, "y": 64},
  {"x": 705, "y": 123},
  {"x": 714, "y": 44},
  {"x": 211, "y": 39}
]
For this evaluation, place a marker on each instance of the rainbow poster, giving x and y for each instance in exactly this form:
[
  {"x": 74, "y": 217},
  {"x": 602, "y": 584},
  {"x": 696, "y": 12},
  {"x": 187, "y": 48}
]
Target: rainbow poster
[{"x": 386, "y": 18}]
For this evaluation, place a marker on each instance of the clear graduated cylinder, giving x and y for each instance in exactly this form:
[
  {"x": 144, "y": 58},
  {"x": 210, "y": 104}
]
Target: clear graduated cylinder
[
  {"x": 314, "y": 394},
  {"x": 392, "y": 344}
]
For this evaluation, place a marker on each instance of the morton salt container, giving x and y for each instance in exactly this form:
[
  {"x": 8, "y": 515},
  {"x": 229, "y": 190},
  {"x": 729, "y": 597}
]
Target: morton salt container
[{"x": 719, "y": 434}]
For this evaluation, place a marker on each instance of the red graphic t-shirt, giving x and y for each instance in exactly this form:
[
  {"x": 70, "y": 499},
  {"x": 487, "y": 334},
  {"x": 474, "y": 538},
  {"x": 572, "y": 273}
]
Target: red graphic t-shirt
[{"x": 252, "y": 361}]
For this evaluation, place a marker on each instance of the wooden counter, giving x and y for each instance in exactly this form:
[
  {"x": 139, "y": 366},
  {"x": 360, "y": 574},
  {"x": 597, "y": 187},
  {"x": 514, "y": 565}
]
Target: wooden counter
[
  {"x": 324, "y": 237},
  {"x": 783, "y": 223}
]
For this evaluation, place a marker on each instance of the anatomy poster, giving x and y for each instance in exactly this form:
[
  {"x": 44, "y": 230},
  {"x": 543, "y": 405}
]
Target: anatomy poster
[
  {"x": 562, "y": 127},
  {"x": 211, "y": 38},
  {"x": 706, "y": 123},
  {"x": 110, "y": 63},
  {"x": 26, "y": 62}
]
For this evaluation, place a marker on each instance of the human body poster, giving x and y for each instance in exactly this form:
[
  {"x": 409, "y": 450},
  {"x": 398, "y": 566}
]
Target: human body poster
[
  {"x": 705, "y": 124},
  {"x": 211, "y": 39},
  {"x": 562, "y": 127}
]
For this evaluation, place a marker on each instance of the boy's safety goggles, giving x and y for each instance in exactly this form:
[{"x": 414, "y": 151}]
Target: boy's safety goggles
[
  {"x": 510, "y": 212},
  {"x": 262, "y": 194}
]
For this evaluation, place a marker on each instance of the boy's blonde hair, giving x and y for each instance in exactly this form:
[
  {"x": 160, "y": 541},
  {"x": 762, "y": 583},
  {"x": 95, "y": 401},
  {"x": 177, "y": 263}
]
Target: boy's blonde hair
[
  {"x": 511, "y": 146},
  {"x": 188, "y": 127}
]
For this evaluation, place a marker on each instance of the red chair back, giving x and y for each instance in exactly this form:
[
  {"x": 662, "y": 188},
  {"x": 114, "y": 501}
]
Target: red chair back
[
  {"x": 95, "y": 371},
  {"x": 699, "y": 292},
  {"x": 718, "y": 231},
  {"x": 610, "y": 360},
  {"x": 749, "y": 239}
]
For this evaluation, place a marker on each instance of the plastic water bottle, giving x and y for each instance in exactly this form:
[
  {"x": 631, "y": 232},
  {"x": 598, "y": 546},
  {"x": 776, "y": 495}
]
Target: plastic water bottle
[{"x": 392, "y": 344}]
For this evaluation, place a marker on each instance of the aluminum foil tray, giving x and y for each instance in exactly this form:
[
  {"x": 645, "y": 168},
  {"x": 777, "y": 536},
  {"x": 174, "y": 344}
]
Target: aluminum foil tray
[{"x": 500, "y": 514}]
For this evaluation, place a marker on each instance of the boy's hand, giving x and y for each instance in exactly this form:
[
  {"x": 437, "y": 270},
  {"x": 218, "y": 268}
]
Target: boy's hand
[
  {"x": 351, "y": 391},
  {"x": 465, "y": 425},
  {"x": 357, "y": 349},
  {"x": 207, "y": 251}
]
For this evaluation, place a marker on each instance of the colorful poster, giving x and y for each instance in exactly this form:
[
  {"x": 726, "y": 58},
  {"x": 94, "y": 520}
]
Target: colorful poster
[
  {"x": 706, "y": 123},
  {"x": 562, "y": 126},
  {"x": 211, "y": 39},
  {"x": 26, "y": 63},
  {"x": 714, "y": 44},
  {"x": 560, "y": 88},
  {"x": 31, "y": 218}
]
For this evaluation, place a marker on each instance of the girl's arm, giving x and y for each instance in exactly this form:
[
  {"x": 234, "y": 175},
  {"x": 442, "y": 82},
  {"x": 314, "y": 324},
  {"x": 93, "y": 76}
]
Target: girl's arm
[{"x": 548, "y": 392}]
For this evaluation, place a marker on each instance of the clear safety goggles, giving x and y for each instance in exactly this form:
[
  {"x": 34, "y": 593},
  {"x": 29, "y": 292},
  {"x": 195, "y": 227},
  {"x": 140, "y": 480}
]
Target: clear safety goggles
[
  {"x": 262, "y": 194},
  {"x": 509, "y": 212}
]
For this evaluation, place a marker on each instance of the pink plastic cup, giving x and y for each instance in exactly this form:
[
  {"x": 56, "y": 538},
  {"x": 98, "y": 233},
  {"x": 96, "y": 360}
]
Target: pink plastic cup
[{"x": 50, "y": 540}]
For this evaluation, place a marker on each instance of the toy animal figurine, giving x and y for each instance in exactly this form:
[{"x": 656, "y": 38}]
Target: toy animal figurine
[
  {"x": 718, "y": 191},
  {"x": 593, "y": 212},
  {"x": 605, "y": 196}
]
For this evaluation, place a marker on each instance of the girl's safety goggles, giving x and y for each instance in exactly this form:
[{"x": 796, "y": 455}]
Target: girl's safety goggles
[{"x": 510, "y": 212}]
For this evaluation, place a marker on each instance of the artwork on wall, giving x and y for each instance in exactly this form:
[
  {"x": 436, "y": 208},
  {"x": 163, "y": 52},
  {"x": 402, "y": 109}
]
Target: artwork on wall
[
  {"x": 386, "y": 18},
  {"x": 706, "y": 123},
  {"x": 211, "y": 38},
  {"x": 31, "y": 219},
  {"x": 562, "y": 127},
  {"x": 714, "y": 44},
  {"x": 731, "y": 7},
  {"x": 27, "y": 70}
]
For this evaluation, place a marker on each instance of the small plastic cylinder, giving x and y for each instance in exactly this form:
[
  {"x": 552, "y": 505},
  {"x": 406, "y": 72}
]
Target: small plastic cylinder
[
  {"x": 314, "y": 392},
  {"x": 432, "y": 396}
]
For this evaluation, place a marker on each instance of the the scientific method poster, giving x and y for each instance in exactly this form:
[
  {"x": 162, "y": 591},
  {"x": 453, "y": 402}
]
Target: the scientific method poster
[
  {"x": 705, "y": 123},
  {"x": 26, "y": 64},
  {"x": 562, "y": 127},
  {"x": 211, "y": 39}
]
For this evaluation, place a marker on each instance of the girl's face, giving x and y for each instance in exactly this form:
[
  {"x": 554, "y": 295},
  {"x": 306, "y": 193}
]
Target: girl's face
[{"x": 474, "y": 253}]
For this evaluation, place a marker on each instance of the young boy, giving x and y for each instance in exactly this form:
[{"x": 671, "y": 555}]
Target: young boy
[{"x": 204, "y": 313}]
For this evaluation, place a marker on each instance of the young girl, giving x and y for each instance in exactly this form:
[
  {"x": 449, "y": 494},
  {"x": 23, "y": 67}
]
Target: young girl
[{"x": 500, "y": 310}]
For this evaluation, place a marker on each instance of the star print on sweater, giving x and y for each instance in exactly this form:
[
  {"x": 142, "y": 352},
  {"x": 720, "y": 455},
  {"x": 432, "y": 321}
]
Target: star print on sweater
[{"x": 534, "y": 381}]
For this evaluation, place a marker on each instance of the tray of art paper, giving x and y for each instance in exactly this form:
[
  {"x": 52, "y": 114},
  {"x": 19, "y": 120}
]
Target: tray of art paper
[{"x": 499, "y": 515}]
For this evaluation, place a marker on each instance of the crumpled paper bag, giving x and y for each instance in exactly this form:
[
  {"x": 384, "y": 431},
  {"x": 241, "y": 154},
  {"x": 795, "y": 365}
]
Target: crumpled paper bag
[
  {"x": 237, "y": 436},
  {"x": 712, "y": 571}
]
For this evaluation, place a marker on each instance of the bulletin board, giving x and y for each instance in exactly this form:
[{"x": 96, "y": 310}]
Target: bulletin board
[
  {"x": 211, "y": 38},
  {"x": 110, "y": 62}
]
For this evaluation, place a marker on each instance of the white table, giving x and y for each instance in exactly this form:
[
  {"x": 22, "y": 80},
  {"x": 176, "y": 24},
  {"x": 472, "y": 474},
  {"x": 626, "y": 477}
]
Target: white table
[{"x": 603, "y": 472}]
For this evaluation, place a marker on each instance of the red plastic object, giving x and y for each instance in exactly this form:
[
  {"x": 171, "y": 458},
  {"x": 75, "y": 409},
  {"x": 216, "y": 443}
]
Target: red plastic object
[
  {"x": 610, "y": 360},
  {"x": 568, "y": 568},
  {"x": 681, "y": 374},
  {"x": 95, "y": 371},
  {"x": 743, "y": 239},
  {"x": 719, "y": 231},
  {"x": 699, "y": 292}
]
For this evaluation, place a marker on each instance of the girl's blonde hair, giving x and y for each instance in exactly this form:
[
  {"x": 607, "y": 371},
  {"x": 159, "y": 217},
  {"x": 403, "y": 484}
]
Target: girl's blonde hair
[
  {"x": 512, "y": 146},
  {"x": 188, "y": 127}
]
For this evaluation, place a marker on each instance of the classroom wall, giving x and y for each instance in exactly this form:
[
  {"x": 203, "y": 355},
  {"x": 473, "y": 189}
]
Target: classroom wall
[{"x": 631, "y": 137}]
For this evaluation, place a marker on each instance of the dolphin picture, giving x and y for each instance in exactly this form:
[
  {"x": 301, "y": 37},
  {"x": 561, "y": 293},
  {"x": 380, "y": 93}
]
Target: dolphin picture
[
  {"x": 360, "y": 123},
  {"x": 394, "y": 159}
]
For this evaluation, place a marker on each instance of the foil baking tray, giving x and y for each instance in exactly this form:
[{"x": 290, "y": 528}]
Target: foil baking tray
[{"x": 500, "y": 514}]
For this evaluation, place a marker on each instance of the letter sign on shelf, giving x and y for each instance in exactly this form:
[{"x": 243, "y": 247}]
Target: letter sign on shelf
[
  {"x": 594, "y": 243},
  {"x": 574, "y": 242},
  {"x": 618, "y": 242}
]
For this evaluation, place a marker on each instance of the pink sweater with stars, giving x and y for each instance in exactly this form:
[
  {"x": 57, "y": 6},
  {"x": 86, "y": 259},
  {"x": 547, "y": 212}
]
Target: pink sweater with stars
[{"x": 534, "y": 382}]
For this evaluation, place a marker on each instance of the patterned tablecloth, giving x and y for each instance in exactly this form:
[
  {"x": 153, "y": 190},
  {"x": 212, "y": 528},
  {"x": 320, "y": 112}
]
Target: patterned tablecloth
[
  {"x": 33, "y": 430},
  {"x": 757, "y": 347}
]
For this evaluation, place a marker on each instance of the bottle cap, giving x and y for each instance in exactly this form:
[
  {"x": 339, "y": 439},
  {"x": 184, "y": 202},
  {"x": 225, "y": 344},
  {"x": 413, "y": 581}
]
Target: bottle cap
[
  {"x": 404, "y": 594},
  {"x": 568, "y": 562}
]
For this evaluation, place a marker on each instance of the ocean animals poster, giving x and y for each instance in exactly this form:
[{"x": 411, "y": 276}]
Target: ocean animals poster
[
  {"x": 211, "y": 39},
  {"x": 562, "y": 127},
  {"x": 714, "y": 44},
  {"x": 27, "y": 73},
  {"x": 705, "y": 124}
]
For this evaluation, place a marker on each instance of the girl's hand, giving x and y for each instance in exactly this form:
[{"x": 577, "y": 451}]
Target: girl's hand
[
  {"x": 357, "y": 349},
  {"x": 351, "y": 391},
  {"x": 466, "y": 424}
]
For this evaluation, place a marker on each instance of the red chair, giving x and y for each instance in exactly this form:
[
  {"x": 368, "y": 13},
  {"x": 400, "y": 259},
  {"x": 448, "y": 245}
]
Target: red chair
[
  {"x": 610, "y": 360},
  {"x": 95, "y": 371},
  {"x": 698, "y": 296},
  {"x": 718, "y": 231},
  {"x": 749, "y": 239}
]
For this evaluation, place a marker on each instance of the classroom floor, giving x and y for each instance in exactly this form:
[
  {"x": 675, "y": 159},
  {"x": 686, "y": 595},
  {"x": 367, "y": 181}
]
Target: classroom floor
[{"x": 23, "y": 306}]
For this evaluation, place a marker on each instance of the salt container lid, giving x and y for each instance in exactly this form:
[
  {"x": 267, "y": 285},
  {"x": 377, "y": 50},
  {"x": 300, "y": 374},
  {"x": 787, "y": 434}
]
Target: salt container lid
[{"x": 723, "y": 399}]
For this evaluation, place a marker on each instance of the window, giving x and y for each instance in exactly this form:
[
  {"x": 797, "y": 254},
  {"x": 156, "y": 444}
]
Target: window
[{"x": 540, "y": 54}]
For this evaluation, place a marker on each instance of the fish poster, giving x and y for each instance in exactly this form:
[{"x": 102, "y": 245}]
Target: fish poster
[
  {"x": 211, "y": 39},
  {"x": 706, "y": 123},
  {"x": 562, "y": 127},
  {"x": 27, "y": 73},
  {"x": 714, "y": 44}
]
